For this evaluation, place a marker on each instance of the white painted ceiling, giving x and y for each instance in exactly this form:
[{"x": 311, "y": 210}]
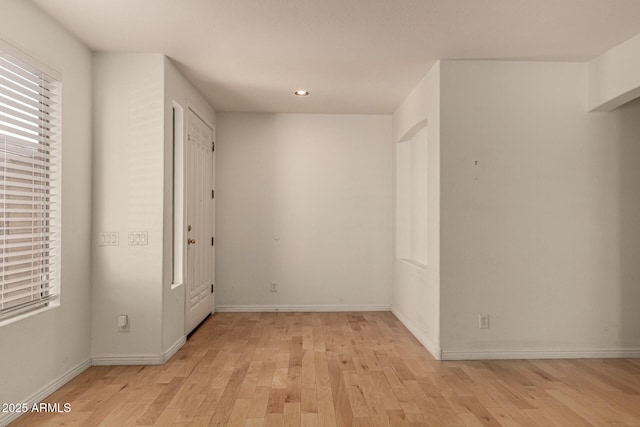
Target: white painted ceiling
[{"x": 355, "y": 56}]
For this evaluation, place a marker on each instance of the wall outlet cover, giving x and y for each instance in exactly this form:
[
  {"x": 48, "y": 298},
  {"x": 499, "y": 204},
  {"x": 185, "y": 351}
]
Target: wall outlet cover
[{"x": 483, "y": 321}]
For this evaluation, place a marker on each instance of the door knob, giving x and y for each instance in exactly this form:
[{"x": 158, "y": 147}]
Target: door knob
[{"x": 191, "y": 241}]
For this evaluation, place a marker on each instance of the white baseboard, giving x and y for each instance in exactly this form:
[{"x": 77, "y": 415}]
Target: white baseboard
[
  {"x": 143, "y": 359},
  {"x": 129, "y": 359},
  {"x": 45, "y": 391},
  {"x": 174, "y": 348},
  {"x": 426, "y": 342},
  {"x": 299, "y": 308},
  {"x": 139, "y": 359},
  {"x": 606, "y": 353}
]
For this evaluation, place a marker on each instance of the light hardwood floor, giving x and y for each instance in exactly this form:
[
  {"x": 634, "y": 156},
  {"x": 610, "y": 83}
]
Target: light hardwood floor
[{"x": 345, "y": 369}]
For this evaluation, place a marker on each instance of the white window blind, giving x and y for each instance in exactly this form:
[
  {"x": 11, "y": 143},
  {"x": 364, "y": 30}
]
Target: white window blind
[{"x": 29, "y": 138}]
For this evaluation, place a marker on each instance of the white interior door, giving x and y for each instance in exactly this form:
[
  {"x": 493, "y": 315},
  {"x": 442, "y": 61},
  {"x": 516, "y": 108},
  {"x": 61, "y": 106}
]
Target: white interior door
[{"x": 199, "y": 221}]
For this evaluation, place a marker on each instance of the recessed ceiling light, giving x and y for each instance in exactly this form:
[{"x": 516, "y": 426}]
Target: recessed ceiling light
[{"x": 301, "y": 92}]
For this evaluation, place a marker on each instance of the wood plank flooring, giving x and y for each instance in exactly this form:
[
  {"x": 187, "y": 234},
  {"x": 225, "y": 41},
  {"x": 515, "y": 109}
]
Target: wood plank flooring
[{"x": 341, "y": 369}]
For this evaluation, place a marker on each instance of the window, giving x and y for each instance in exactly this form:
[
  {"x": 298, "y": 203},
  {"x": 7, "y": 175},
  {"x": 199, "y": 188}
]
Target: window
[{"x": 29, "y": 214}]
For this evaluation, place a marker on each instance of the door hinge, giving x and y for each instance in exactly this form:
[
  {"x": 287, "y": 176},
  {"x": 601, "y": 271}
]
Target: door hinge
[
  {"x": 213, "y": 241},
  {"x": 188, "y": 137},
  {"x": 213, "y": 146},
  {"x": 212, "y": 288},
  {"x": 213, "y": 194}
]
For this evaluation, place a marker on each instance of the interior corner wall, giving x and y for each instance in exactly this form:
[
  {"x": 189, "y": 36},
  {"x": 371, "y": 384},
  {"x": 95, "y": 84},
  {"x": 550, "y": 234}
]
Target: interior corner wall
[
  {"x": 176, "y": 89},
  {"x": 128, "y": 196},
  {"x": 40, "y": 352},
  {"x": 416, "y": 288},
  {"x": 303, "y": 200},
  {"x": 540, "y": 207}
]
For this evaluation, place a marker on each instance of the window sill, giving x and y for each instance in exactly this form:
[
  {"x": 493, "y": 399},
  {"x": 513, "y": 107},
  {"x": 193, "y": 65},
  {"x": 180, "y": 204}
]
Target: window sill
[{"x": 18, "y": 317}]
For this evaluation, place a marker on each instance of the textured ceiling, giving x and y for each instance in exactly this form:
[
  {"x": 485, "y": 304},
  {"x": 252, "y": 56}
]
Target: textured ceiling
[{"x": 355, "y": 56}]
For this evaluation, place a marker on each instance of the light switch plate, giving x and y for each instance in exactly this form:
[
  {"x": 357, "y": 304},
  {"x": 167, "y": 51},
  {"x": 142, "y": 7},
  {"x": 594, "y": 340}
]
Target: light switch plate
[
  {"x": 138, "y": 238},
  {"x": 108, "y": 238}
]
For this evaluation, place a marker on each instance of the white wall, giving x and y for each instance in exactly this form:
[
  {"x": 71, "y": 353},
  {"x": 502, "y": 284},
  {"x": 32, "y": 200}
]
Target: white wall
[
  {"x": 133, "y": 186},
  {"x": 416, "y": 289},
  {"x": 540, "y": 201},
  {"x": 614, "y": 76},
  {"x": 39, "y": 350},
  {"x": 303, "y": 200},
  {"x": 128, "y": 195},
  {"x": 176, "y": 89}
]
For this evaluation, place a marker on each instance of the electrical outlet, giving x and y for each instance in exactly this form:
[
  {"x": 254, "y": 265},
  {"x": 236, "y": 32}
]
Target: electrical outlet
[
  {"x": 274, "y": 287},
  {"x": 483, "y": 321},
  {"x": 123, "y": 323}
]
